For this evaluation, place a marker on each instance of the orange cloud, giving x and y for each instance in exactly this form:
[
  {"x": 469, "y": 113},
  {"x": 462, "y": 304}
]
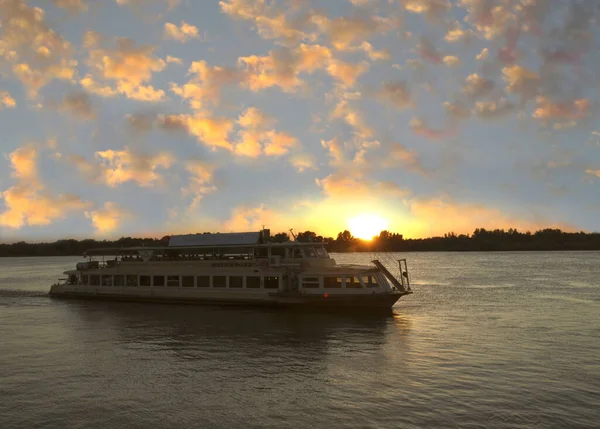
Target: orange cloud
[
  {"x": 6, "y": 100},
  {"x": 430, "y": 8},
  {"x": 457, "y": 110},
  {"x": 72, "y": 5},
  {"x": 521, "y": 81},
  {"x": 184, "y": 33},
  {"x": 303, "y": 161},
  {"x": 115, "y": 167},
  {"x": 476, "y": 86},
  {"x": 108, "y": 218},
  {"x": 255, "y": 134},
  {"x": 200, "y": 182},
  {"x": 346, "y": 32},
  {"x": 35, "y": 53},
  {"x": 205, "y": 85},
  {"x": 126, "y": 66},
  {"x": 493, "y": 109},
  {"x": 564, "y": 113},
  {"x": 27, "y": 202}
]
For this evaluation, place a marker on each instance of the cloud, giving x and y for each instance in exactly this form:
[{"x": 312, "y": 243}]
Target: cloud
[
  {"x": 204, "y": 87},
  {"x": 483, "y": 54},
  {"x": 35, "y": 53},
  {"x": 346, "y": 109},
  {"x": 200, "y": 181},
  {"x": 593, "y": 172},
  {"x": 28, "y": 202},
  {"x": 451, "y": 61},
  {"x": 344, "y": 33},
  {"x": 108, "y": 218},
  {"x": 71, "y": 5},
  {"x": 395, "y": 93},
  {"x": 174, "y": 60},
  {"x": 430, "y": 8},
  {"x": 303, "y": 161},
  {"x": 521, "y": 81},
  {"x": 270, "y": 20},
  {"x": 6, "y": 100},
  {"x": 210, "y": 131},
  {"x": 490, "y": 18},
  {"x": 476, "y": 86},
  {"x": 421, "y": 127},
  {"x": 562, "y": 113},
  {"x": 493, "y": 109},
  {"x": 344, "y": 186},
  {"x": 78, "y": 103},
  {"x": 457, "y": 110},
  {"x": 184, "y": 33},
  {"x": 115, "y": 167},
  {"x": 126, "y": 66},
  {"x": 256, "y": 137},
  {"x": 283, "y": 67},
  {"x": 458, "y": 34},
  {"x": 346, "y": 73}
]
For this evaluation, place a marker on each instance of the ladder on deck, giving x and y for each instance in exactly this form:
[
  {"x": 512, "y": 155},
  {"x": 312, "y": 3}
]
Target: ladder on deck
[{"x": 403, "y": 284}]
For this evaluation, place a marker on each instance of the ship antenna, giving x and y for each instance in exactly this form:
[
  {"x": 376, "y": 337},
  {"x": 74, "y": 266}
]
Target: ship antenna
[{"x": 293, "y": 235}]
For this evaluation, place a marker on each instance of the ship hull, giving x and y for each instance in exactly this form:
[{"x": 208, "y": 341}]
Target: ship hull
[{"x": 365, "y": 302}]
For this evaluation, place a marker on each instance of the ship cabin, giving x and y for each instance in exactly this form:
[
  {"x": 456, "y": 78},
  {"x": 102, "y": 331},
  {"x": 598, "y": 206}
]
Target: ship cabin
[{"x": 237, "y": 261}]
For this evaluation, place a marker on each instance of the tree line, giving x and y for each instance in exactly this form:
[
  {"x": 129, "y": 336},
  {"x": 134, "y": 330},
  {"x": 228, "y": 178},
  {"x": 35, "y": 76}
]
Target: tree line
[{"x": 480, "y": 240}]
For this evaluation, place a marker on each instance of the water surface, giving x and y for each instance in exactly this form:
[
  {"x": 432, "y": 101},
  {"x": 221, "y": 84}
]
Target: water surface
[{"x": 490, "y": 340}]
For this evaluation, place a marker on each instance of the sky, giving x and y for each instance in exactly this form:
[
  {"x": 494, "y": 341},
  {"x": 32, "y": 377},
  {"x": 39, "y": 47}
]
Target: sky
[{"x": 154, "y": 117}]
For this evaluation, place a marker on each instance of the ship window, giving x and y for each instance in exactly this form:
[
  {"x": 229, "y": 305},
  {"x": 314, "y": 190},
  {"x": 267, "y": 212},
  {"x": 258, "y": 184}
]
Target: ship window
[
  {"x": 144, "y": 280},
  {"x": 272, "y": 282},
  {"x": 158, "y": 281},
  {"x": 107, "y": 281},
  {"x": 187, "y": 281},
  {"x": 219, "y": 281},
  {"x": 85, "y": 279},
  {"x": 278, "y": 251},
  {"x": 297, "y": 253},
  {"x": 236, "y": 281},
  {"x": 132, "y": 281},
  {"x": 173, "y": 281},
  {"x": 119, "y": 280},
  {"x": 203, "y": 281},
  {"x": 322, "y": 253},
  {"x": 332, "y": 282},
  {"x": 253, "y": 282},
  {"x": 369, "y": 281},
  {"x": 94, "y": 280},
  {"x": 353, "y": 283},
  {"x": 310, "y": 252},
  {"x": 310, "y": 282}
]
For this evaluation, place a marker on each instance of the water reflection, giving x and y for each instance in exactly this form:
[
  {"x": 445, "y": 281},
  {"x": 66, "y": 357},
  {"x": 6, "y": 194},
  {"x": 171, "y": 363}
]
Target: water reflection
[{"x": 178, "y": 324}]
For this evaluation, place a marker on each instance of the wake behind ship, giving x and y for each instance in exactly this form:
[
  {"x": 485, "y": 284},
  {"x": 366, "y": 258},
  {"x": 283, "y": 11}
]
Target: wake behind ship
[{"x": 233, "y": 269}]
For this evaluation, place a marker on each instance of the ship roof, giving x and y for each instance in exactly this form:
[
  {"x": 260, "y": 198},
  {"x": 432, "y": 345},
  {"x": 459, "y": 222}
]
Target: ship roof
[
  {"x": 103, "y": 251},
  {"x": 219, "y": 239}
]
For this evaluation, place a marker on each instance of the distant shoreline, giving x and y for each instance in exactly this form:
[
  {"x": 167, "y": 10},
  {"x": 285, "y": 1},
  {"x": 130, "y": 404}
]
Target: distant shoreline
[
  {"x": 482, "y": 240},
  {"x": 365, "y": 251}
]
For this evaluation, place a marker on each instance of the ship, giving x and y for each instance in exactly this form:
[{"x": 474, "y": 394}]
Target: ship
[{"x": 244, "y": 268}]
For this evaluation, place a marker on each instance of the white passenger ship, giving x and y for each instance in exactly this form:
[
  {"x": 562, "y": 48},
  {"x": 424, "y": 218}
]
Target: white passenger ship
[{"x": 233, "y": 268}]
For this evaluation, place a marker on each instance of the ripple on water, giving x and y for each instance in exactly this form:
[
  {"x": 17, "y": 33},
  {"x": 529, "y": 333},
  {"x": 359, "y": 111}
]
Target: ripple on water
[{"x": 459, "y": 352}]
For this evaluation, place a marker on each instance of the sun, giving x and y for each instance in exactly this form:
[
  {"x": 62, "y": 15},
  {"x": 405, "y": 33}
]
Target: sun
[{"x": 366, "y": 226}]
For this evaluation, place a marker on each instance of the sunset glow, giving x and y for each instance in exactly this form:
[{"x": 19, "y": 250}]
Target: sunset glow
[
  {"x": 129, "y": 118},
  {"x": 366, "y": 226}
]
